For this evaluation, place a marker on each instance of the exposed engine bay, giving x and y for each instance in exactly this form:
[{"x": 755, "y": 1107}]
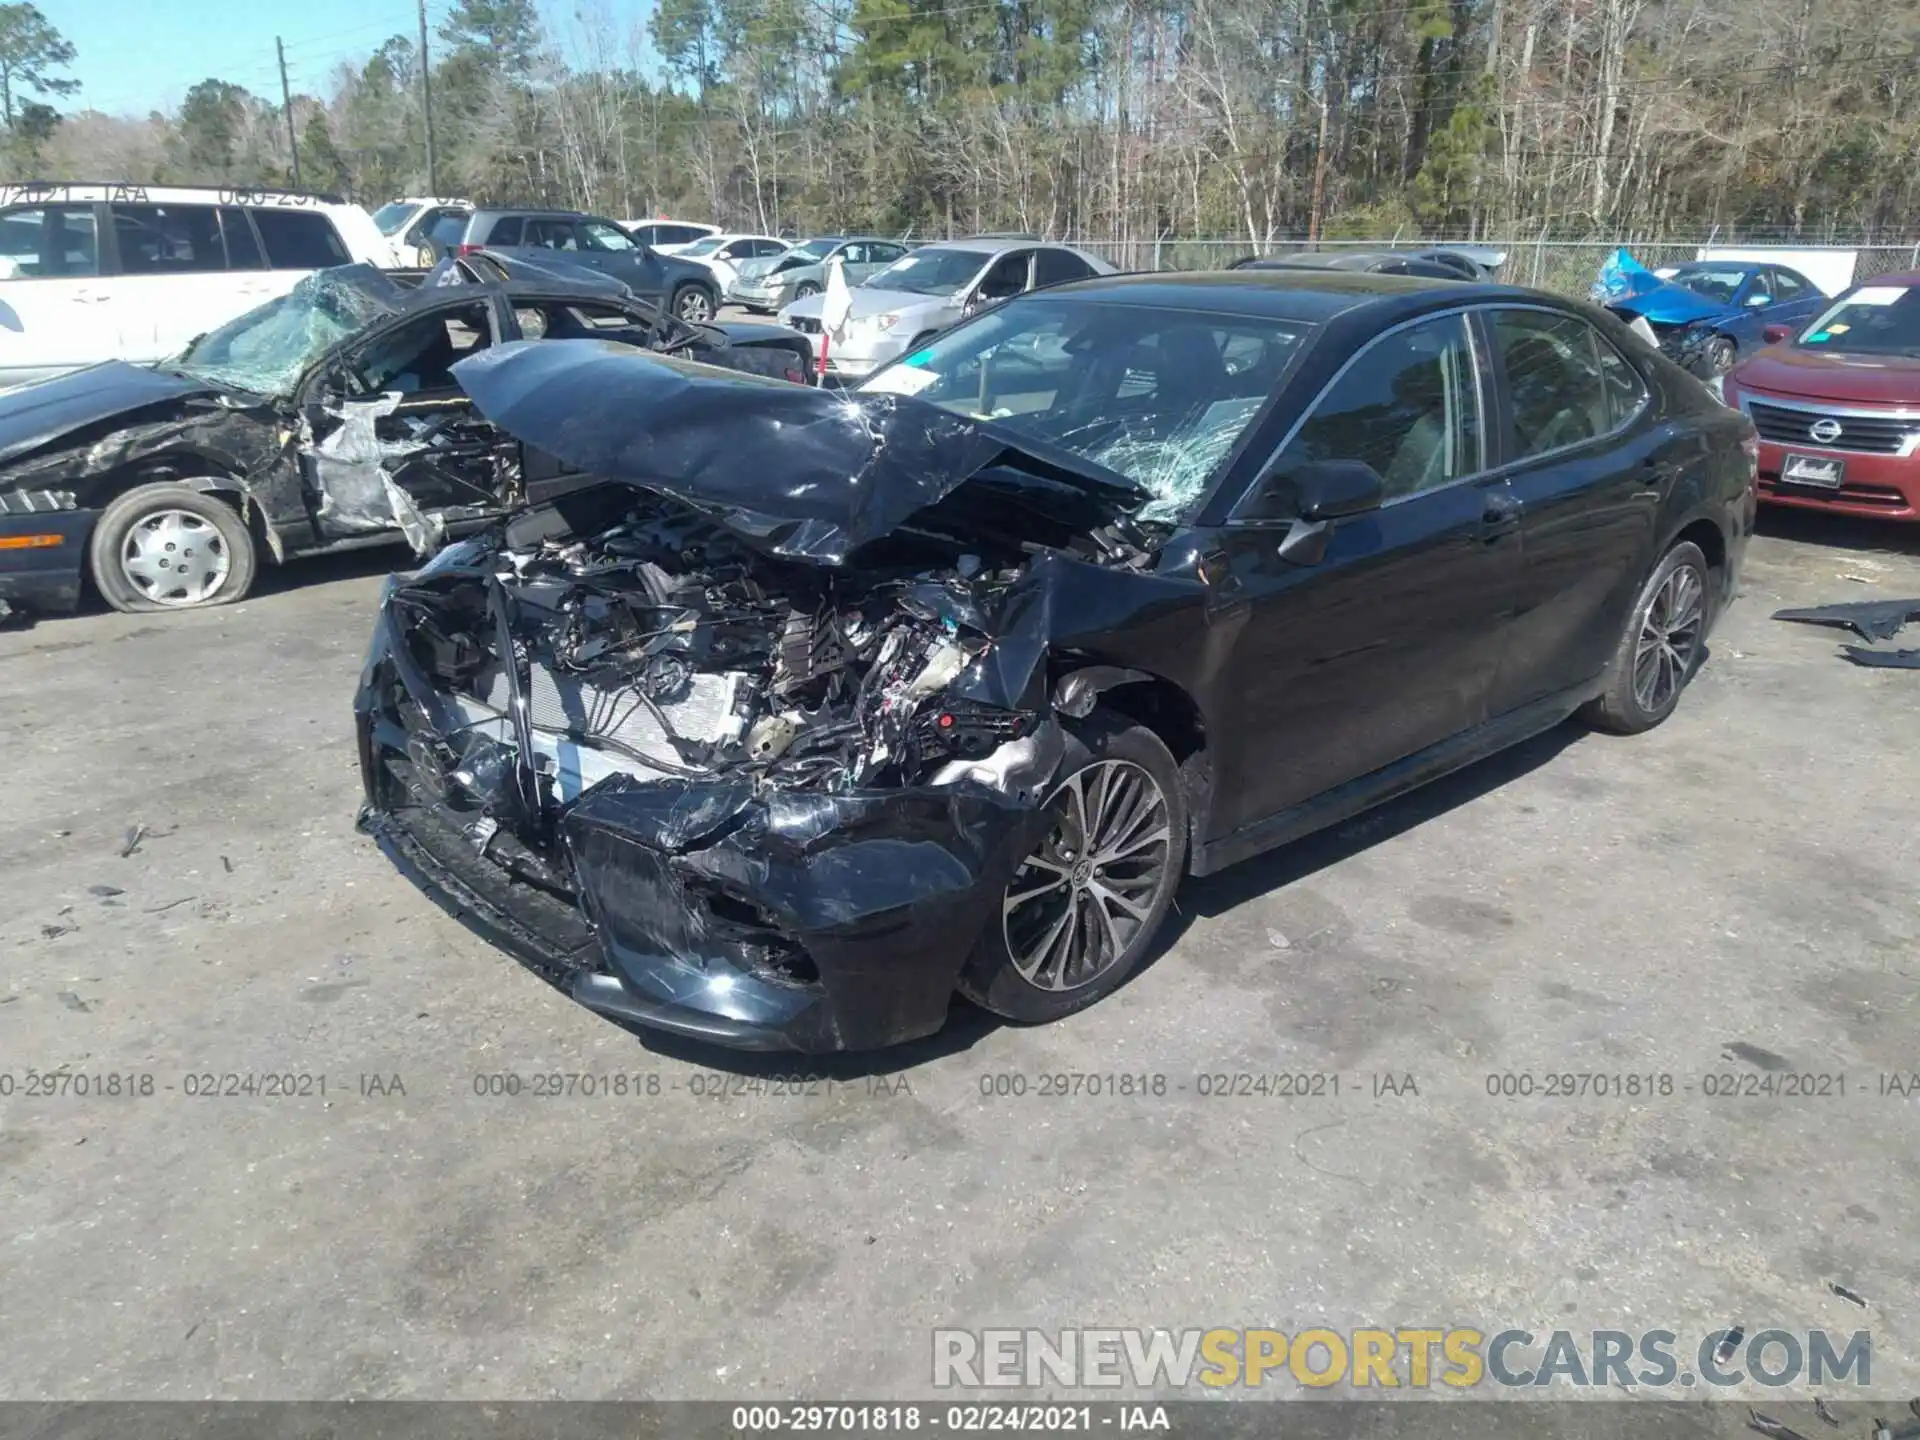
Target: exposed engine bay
[{"x": 663, "y": 647}]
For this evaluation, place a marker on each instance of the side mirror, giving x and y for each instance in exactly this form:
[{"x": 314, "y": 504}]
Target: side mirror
[
  {"x": 1774, "y": 334},
  {"x": 1754, "y": 302},
  {"x": 1313, "y": 495}
]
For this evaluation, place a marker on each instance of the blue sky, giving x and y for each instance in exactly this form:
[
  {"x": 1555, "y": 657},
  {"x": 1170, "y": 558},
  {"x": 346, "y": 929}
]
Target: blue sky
[{"x": 140, "y": 55}]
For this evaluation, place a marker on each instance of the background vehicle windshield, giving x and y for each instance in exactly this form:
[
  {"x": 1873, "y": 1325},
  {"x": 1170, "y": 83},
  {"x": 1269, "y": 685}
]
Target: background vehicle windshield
[
  {"x": 267, "y": 349},
  {"x": 703, "y": 247},
  {"x": 1159, "y": 396},
  {"x": 389, "y": 218},
  {"x": 1720, "y": 285},
  {"x": 930, "y": 272},
  {"x": 1872, "y": 320},
  {"x": 818, "y": 249}
]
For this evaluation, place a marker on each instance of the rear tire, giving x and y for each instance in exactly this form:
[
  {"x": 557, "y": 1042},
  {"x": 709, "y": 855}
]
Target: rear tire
[
  {"x": 171, "y": 547},
  {"x": 1081, "y": 913},
  {"x": 1661, "y": 648}
]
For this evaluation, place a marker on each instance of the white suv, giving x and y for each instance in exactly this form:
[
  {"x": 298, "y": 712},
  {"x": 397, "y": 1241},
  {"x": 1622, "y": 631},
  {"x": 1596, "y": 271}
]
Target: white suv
[
  {"x": 420, "y": 230},
  {"x": 133, "y": 272}
]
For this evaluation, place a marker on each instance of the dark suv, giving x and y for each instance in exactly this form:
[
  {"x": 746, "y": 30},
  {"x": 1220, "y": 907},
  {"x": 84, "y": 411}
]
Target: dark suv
[{"x": 570, "y": 237}]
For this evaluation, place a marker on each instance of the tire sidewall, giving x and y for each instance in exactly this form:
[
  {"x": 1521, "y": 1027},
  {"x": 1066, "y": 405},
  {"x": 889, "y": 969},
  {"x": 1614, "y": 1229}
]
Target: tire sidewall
[
  {"x": 692, "y": 287},
  {"x": 806, "y": 291},
  {"x": 989, "y": 978},
  {"x": 119, "y": 519},
  {"x": 1684, "y": 554}
]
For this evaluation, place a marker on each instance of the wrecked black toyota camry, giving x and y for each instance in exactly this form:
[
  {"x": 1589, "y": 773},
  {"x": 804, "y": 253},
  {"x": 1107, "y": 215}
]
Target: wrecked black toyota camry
[
  {"x": 323, "y": 420},
  {"x": 779, "y": 716}
]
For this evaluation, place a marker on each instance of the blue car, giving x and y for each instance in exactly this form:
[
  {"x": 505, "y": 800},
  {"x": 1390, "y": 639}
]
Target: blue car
[{"x": 1709, "y": 314}]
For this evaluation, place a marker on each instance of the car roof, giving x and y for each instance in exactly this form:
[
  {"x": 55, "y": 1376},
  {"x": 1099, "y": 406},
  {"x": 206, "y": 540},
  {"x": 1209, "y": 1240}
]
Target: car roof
[
  {"x": 994, "y": 244},
  {"x": 1310, "y": 296},
  {"x": 86, "y": 192},
  {"x": 1905, "y": 277}
]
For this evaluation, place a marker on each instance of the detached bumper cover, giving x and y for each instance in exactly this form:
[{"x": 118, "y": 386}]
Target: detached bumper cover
[{"x": 770, "y": 920}]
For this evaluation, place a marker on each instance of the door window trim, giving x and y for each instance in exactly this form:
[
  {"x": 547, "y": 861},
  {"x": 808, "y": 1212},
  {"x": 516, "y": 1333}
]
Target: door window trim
[
  {"x": 1498, "y": 377},
  {"x": 1482, "y": 379}
]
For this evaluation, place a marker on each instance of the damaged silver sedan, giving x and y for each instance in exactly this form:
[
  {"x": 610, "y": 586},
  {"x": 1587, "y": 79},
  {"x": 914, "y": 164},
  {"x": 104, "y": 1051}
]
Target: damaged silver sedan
[
  {"x": 324, "y": 420},
  {"x": 781, "y": 716}
]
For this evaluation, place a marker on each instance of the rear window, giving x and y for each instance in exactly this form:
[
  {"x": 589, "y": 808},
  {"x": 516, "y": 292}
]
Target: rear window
[{"x": 299, "y": 240}]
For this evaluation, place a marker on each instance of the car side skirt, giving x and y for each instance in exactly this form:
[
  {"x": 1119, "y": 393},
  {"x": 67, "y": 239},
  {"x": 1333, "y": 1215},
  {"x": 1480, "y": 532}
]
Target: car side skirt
[{"x": 1365, "y": 791}]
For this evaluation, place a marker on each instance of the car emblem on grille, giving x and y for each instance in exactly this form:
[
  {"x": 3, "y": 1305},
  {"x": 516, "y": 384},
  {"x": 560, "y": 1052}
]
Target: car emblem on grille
[{"x": 1825, "y": 431}]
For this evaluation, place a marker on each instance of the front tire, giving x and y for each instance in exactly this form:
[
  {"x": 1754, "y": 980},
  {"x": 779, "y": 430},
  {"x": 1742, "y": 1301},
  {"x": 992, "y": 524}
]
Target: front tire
[
  {"x": 1721, "y": 354},
  {"x": 171, "y": 547},
  {"x": 693, "y": 304},
  {"x": 1082, "y": 911},
  {"x": 1662, "y": 647},
  {"x": 805, "y": 289}
]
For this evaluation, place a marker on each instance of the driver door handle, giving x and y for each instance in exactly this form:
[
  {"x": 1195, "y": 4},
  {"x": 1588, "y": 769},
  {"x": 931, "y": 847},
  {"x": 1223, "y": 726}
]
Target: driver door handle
[{"x": 1499, "y": 516}]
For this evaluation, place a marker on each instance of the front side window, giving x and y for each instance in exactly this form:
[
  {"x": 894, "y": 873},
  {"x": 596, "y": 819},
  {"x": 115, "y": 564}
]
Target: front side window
[
  {"x": 1871, "y": 320},
  {"x": 551, "y": 235},
  {"x": 1007, "y": 278},
  {"x": 1562, "y": 393},
  {"x": 1409, "y": 406},
  {"x": 243, "y": 250},
  {"x": 1789, "y": 286},
  {"x": 168, "y": 239},
  {"x": 1158, "y": 396},
  {"x": 419, "y": 356},
  {"x": 45, "y": 242},
  {"x": 605, "y": 235},
  {"x": 299, "y": 239}
]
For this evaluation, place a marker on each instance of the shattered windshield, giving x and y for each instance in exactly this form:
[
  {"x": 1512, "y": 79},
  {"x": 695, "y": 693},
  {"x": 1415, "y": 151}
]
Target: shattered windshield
[
  {"x": 389, "y": 218},
  {"x": 1159, "y": 396},
  {"x": 266, "y": 349},
  {"x": 1873, "y": 320}
]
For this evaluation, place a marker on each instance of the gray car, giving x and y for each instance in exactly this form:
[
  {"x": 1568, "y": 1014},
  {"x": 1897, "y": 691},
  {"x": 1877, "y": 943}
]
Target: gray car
[
  {"x": 561, "y": 239},
  {"x": 928, "y": 289},
  {"x": 769, "y": 284}
]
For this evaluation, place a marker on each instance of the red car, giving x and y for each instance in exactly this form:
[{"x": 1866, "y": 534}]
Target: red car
[{"x": 1838, "y": 405}]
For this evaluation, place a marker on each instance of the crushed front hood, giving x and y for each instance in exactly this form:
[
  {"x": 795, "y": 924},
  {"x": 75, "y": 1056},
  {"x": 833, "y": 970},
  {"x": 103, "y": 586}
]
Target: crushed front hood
[
  {"x": 38, "y": 415},
  {"x": 799, "y": 472}
]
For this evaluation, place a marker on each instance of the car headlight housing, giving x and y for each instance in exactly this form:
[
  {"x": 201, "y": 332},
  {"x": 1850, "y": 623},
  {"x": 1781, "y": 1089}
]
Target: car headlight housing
[{"x": 883, "y": 323}]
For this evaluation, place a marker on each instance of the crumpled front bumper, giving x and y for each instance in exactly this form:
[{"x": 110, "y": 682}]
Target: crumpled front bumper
[{"x": 765, "y": 919}]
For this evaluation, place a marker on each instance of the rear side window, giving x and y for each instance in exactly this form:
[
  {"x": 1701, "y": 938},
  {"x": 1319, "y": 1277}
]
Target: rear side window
[
  {"x": 1055, "y": 267},
  {"x": 506, "y": 232},
  {"x": 168, "y": 239},
  {"x": 243, "y": 251},
  {"x": 299, "y": 240},
  {"x": 41, "y": 243},
  {"x": 1567, "y": 385},
  {"x": 1409, "y": 406}
]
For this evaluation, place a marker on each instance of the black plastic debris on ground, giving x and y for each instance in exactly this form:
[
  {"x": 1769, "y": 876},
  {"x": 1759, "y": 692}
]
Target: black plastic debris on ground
[{"x": 1870, "y": 620}]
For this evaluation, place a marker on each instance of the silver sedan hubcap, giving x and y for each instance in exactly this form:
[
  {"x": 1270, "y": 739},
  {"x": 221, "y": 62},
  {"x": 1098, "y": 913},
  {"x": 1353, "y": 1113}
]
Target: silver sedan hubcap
[
  {"x": 174, "y": 557},
  {"x": 693, "y": 306},
  {"x": 1084, "y": 896},
  {"x": 1669, "y": 636}
]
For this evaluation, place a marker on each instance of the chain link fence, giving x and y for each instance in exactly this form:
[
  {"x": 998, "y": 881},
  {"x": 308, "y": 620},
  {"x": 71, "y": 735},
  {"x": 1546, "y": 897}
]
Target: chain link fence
[{"x": 1567, "y": 267}]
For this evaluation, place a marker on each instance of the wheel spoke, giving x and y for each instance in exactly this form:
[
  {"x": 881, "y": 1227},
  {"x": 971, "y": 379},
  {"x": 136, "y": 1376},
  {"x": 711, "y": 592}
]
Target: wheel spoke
[
  {"x": 1015, "y": 901},
  {"x": 1156, "y": 836}
]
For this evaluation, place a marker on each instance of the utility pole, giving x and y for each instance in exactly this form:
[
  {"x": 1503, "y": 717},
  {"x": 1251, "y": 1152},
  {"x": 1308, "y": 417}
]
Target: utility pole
[
  {"x": 286, "y": 106},
  {"x": 426, "y": 104}
]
